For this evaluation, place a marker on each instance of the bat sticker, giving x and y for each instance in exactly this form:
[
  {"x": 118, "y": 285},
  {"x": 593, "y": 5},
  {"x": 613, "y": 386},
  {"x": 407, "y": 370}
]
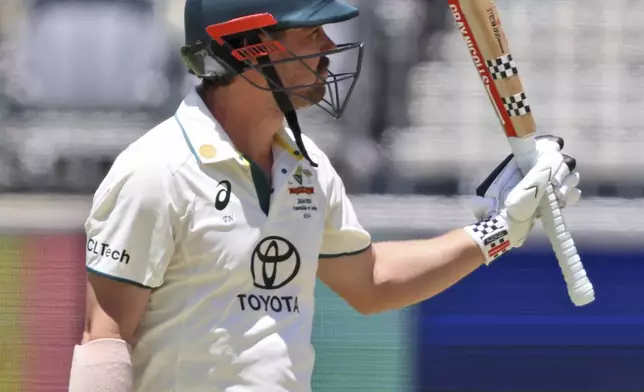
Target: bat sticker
[
  {"x": 517, "y": 105},
  {"x": 502, "y": 67}
]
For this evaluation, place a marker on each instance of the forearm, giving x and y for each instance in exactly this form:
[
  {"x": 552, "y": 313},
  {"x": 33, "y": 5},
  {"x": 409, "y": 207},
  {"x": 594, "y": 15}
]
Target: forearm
[{"x": 408, "y": 272}]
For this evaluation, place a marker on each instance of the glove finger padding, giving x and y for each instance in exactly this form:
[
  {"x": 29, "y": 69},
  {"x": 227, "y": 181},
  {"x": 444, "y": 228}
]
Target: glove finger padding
[
  {"x": 560, "y": 173},
  {"x": 568, "y": 194},
  {"x": 523, "y": 200},
  {"x": 496, "y": 187},
  {"x": 506, "y": 203},
  {"x": 571, "y": 198},
  {"x": 549, "y": 143}
]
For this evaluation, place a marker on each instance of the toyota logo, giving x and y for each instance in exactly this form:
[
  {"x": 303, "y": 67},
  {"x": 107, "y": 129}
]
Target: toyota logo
[{"x": 274, "y": 263}]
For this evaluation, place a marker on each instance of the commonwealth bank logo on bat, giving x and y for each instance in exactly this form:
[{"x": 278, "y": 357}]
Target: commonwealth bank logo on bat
[{"x": 274, "y": 263}]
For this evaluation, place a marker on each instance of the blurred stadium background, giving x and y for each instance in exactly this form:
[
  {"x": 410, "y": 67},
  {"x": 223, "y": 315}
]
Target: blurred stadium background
[{"x": 80, "y": 79}]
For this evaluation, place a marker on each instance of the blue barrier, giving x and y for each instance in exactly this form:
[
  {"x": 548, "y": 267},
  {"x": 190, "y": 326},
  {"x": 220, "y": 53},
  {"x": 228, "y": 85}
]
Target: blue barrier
[{"x": 512, "y": 327}]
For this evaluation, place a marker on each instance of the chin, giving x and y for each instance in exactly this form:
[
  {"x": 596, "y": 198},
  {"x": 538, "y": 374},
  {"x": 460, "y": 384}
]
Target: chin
[{"x": 309, "y": 97}]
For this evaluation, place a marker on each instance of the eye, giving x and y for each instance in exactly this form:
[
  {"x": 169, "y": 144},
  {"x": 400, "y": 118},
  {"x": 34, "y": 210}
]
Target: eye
[{"x": 316, "y": 31}]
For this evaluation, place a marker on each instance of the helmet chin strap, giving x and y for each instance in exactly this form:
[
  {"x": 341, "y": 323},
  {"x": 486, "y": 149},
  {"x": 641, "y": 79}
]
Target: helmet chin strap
[{"x": 283, "y": 100}]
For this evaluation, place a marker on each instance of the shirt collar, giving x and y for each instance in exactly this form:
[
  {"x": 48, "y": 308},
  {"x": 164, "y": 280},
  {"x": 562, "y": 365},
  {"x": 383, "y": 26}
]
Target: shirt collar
[{"x": 208, "y": 141}]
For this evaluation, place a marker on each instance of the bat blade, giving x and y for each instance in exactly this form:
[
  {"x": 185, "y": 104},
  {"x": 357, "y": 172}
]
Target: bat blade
[{"x": 480, "y": 26}]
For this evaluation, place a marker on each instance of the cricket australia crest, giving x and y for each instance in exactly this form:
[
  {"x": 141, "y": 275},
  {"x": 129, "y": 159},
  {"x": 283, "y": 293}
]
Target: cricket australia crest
[
  {"x": 301, "y": 182},
  {"x": 301, "y": 185}
]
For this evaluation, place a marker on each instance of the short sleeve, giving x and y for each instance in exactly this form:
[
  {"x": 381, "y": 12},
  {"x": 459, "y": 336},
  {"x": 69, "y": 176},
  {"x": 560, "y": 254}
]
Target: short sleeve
[
  {"x": 343, "y": 233},
  {"x": 130, "y": 226}
]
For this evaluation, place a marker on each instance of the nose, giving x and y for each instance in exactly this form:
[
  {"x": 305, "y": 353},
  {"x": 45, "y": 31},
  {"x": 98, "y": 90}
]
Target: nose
[{"x": 328, "y": 43}]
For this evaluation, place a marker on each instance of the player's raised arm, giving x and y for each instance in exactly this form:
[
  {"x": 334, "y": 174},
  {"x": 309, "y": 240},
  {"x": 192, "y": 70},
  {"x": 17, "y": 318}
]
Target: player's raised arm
[
  {"x": 130, "y": 241},
  {"x": 392, "y": 275}
]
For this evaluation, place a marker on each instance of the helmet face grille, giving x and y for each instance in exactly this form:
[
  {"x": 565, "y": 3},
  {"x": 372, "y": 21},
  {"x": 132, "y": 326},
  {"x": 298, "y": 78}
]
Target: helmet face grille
[
  {"x": 335, "y": 101},
  {"x": 230, "y": 57}
]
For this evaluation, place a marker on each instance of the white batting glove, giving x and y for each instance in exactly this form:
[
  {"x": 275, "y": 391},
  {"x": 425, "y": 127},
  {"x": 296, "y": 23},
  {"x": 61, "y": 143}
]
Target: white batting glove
[{"x": 506, "y": 202}]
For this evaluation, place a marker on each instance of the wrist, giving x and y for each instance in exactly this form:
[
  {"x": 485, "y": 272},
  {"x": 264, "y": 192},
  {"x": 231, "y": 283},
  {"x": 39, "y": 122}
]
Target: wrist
[{"x": 492, "y": 237}]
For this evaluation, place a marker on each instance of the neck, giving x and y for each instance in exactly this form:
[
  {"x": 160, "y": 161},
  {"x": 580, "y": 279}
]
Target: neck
[{"x": 249, "y": 119}]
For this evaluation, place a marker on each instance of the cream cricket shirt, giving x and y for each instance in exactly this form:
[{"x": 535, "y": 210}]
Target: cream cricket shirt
[{"x": 232, "y": 259}]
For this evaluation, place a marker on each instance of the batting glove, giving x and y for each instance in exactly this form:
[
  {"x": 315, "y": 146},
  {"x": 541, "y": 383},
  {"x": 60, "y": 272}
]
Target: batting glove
[{"x": 506, "y": 202}]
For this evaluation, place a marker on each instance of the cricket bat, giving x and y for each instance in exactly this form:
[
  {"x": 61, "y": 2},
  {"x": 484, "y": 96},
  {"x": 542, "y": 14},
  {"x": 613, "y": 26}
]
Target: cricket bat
[{"x": 480, "y": 25}]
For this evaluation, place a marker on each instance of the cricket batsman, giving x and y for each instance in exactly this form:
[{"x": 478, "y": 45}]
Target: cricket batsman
[{"x": 205, "y": 239}]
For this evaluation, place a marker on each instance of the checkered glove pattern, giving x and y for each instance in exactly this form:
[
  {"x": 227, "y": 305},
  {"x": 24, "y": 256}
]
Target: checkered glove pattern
[{"x": 491, "y": 234}]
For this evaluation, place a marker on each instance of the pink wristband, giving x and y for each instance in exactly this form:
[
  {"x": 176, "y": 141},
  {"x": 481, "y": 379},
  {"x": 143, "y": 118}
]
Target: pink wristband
[{"x": 102, "y": 365}]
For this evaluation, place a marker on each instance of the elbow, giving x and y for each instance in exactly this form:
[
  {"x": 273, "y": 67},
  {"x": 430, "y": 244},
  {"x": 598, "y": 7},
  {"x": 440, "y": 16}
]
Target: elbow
[
  {"x": 377, "y": 299},
  {"x": 363, "y": 302},
  {"x": 365, "y": 307},
  {"x": 364, "y": 310},
  {"x": 374, "y": 304},
  {"x": 372, "y": 301},
  {"x": 369, "y": 310}
]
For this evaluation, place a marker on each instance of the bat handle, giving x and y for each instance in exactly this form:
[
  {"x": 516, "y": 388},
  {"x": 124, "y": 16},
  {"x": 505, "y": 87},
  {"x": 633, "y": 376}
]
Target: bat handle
[{"x": 580, "y": 289}]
